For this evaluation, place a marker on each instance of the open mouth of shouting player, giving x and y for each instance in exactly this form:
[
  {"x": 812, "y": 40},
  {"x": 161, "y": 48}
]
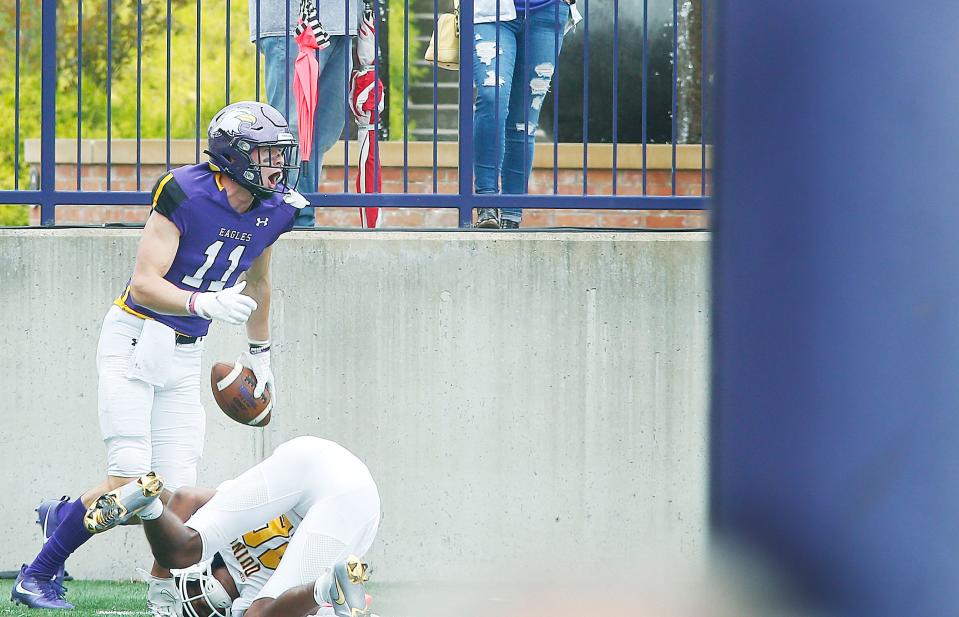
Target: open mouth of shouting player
[{"x": 274, "y": 164}]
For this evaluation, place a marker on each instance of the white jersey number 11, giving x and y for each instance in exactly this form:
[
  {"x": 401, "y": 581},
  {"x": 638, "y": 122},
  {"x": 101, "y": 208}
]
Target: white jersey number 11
[{"x": 212, "y": 251}]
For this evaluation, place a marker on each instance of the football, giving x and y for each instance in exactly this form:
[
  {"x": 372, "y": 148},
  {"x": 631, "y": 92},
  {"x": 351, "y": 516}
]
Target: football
[{"x": 233, "y": 386}]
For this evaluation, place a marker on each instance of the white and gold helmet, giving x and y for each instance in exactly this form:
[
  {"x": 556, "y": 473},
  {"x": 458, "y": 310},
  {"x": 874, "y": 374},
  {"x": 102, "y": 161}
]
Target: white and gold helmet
[{"x": 202, "y": 594}]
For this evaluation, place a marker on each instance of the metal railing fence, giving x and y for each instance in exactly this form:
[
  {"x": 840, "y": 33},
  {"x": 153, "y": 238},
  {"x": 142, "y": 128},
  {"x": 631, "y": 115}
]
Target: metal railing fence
[{"x": 54, "y": 57}]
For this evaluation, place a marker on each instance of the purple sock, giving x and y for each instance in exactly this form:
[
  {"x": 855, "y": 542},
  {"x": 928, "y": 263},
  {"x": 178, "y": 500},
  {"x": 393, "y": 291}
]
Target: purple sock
[{"x": 68, "y": 537}]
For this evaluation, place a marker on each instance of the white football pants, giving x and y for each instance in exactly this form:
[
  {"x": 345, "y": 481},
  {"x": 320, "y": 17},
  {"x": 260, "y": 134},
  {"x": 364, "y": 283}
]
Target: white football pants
[
  {"x": 316, "y": 480},
  {"x": 148, "y": 427}
]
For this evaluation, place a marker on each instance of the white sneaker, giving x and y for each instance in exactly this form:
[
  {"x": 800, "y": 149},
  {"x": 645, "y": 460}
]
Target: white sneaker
[{"x": 163, "y": 599}]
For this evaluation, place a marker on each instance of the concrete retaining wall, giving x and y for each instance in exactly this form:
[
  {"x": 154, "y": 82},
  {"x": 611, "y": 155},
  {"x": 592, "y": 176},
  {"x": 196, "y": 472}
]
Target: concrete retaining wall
[{"x": 536, "y": 395}]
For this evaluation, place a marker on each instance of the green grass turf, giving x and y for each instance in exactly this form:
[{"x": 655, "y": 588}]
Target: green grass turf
[
  {"x": 92, "y": 599},
  {"x": 112, "y": 599}
]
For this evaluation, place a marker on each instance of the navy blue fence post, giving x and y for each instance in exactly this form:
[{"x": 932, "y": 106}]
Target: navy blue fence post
[
  {"x": 674, "y": 62},
  {"x": 555, "y": 83},
  {"x": 526, "y": 93},
  {"x": 286, "y": 68},
  {"x": 169, "y": 31},
  {"x": 346, "y": 95},
  {"x": 79, "y": 89},
  {"x": 466, "y": 114},
  {"x": 615, "y": 90},
  {"x": 586, "y": 97},
  {"x": 497, "y": 76},
  {"x": 436, "y": 16},
  {"x": 16, "y": 108},
  {"x": 228, "y": 28},
  {"x": 406, "y": 96},
  {"x": 376, "y": 107},
  {"x": 139, "y": 89},
  {"x": 196, "y": 120},
  {"x": 257, "y": 33},
  {"x": 645, "y": 95},
  {"x": 48, "y": 107},
  {"x": 109, "y": 91},
  {"x": 703, "y": 58}
]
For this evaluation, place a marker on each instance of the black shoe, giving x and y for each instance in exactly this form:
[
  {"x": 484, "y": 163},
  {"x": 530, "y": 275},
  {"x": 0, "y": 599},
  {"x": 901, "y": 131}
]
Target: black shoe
[
  {"x": 487, "y": 218},
  {"x": 508, "y": 224}
]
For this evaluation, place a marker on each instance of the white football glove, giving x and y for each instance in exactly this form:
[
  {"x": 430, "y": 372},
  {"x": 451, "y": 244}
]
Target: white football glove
[
  {"x": 296, "y": 200},
  {"x": 258, "y": 361},
  {"x": 228, "y": 305}
]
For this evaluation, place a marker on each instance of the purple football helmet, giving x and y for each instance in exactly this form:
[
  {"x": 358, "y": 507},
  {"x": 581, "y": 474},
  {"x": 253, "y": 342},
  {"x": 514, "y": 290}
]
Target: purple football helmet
[{"x": 236, "y": 132}]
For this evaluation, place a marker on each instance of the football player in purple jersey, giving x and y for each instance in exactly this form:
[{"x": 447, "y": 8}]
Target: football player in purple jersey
[{"x": 204, "y": 255}]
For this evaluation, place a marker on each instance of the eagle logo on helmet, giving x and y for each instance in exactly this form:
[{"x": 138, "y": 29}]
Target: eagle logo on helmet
[
  {"x": 236, "y": 131},
  {"x": 232, "y": 121}
]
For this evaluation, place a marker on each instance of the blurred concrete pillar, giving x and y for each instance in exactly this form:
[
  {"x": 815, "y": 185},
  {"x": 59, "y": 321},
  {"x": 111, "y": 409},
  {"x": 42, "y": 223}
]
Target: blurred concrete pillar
[{"x": 836, "y": 392}]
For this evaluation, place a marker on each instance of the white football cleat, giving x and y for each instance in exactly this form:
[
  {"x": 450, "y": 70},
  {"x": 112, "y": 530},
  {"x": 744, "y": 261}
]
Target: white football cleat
[
  {"x": 343, "y": 587},
  {"x": 163, "y": 598}
]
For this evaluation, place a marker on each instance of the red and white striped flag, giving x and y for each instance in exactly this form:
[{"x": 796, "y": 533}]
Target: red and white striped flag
[{"x": 366, "y": 102}]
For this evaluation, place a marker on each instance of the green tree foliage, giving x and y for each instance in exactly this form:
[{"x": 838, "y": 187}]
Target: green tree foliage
[
  {"x": 14, "y": 216},
  {"x": 396, "y": 18},
  {"x": 91, "y": 78},
  {"x": 91, "y": 73},
  {"x": 81, "y": 105}
]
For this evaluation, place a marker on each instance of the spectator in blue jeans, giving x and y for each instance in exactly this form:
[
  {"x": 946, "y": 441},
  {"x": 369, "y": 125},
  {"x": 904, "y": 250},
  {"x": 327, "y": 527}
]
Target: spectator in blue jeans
[
  {"x": 272, "y": 23},
  {"x": 530, "y": 38}
]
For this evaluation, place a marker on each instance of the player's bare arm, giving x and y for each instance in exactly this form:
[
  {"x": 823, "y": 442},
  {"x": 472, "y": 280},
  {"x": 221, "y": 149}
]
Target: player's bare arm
[
  {"x": 158, "y": 246},
  {"x": 259, "y": 286},
  {"x": 298, "y": 600},
  {"x": 183, "y": 503},
  {"x": 174, "y": 545}
]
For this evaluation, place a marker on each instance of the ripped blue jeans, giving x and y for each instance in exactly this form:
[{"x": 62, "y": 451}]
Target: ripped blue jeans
[{"x": 504, "y": 126}]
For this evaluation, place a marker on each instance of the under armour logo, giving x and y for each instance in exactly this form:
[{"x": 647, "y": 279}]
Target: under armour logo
[{"x": 262, "y": 222}]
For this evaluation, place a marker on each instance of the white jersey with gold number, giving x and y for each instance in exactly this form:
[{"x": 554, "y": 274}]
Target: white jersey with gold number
[
  {"x": 253, "y": 557},
  {"x": 321, "y": 505}
]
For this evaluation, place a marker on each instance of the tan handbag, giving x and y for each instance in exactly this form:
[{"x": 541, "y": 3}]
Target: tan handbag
[{"x": 446, "y": 53}]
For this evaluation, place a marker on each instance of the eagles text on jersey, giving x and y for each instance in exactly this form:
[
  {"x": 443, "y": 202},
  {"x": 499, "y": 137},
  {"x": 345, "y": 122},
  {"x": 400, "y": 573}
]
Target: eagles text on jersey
[{"x": 217, "y": 243}]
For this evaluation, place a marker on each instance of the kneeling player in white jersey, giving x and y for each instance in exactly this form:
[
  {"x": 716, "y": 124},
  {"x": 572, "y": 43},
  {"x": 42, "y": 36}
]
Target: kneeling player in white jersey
[{"x": 288, "y": 531}]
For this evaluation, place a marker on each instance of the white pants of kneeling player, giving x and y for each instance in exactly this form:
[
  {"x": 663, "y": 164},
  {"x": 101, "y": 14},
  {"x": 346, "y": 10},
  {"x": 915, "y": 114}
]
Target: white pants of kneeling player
[
  {"x": 311, "y": 479},
  {"x": 148, "y": 427}
]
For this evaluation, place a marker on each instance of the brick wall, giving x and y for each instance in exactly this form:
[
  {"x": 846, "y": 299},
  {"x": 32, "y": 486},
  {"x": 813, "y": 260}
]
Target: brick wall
[{"x": 569, "y": 181}]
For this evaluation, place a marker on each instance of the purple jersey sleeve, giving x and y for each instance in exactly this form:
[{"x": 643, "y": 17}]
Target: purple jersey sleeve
[{"x": 168, "y": 196}]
